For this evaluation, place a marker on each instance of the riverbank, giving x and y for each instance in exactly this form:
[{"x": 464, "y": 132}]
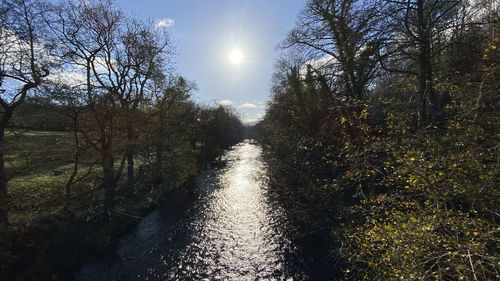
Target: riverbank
[
  {"x": 56, "y": 245},
  {"x": 48, "y": 236}
]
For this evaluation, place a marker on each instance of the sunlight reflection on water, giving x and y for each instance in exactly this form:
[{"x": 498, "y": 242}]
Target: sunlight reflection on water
[
  {"x": 237, "y": 239},
  {"x": 229, "y": 232}
]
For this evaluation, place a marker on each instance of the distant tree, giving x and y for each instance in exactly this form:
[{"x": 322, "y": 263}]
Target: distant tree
[
  {"x": 220, "y": 128},
  {"x": 37, "y": 113},
  {"x": 168, "y": 113}
]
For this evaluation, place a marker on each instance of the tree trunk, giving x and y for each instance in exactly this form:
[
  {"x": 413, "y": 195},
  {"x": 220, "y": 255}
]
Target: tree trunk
[
  {"x": 76, "y": 158},
  {"x": 425, "y": 83},
  {"x": 130, "y": 155},
  {"x": 5, "y": 245},
  {"x": 109, "y": 182},
  {"x": 422, "y": 105},
  {"x": 4, "y": 196},
  {"x": 4, "y": 200},
  {"x": 433, "y": 109},
  {"x": 69, "y": 183},
  {"x": 130, "y": 170}
]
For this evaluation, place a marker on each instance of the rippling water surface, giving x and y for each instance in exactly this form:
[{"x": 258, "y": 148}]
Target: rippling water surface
[{"x": 228, "y": 230}]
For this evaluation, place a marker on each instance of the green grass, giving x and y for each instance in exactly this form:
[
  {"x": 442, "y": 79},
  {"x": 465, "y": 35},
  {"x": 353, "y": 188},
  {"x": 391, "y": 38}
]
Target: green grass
[
  {"x": 33, "y": 133},
  {"x": 40, "y": 163}
]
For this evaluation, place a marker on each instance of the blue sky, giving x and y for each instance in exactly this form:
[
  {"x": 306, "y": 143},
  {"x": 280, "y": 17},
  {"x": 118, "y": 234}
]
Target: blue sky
[{"x": 206, "y": 31}]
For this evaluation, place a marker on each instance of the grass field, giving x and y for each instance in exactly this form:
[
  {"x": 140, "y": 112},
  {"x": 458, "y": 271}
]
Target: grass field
[
  {"x": 39, "y": 164},
  {"x": 45, "y": 227}
]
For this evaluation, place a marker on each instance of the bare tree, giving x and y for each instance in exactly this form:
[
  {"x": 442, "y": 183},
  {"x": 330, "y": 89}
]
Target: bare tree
[
  {"x": 119, "y": 59},
  {"x": 140, "y": 60},
  {"x": 89, "y": 33},
  {"x": 347, "y": 32},
  {"x": 413, "y": 45},
  {"x": 71, "y": 105},
  {"x": 23, "y": 66}
]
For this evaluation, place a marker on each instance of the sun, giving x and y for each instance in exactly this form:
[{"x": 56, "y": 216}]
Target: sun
[{"x": 236, "y": 56}]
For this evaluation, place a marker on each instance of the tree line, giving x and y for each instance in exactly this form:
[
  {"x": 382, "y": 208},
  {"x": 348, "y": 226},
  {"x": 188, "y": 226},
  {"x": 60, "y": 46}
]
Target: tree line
[
  {"x": 382, "y": 134},
  {"x": 108, "y": 79}
]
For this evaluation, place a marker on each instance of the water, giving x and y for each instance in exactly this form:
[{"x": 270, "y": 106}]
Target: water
[{"x": 227, "y": 230}]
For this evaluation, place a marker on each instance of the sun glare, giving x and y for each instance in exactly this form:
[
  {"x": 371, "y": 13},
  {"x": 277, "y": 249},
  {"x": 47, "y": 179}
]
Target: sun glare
[{"x": 236, "y": 57}]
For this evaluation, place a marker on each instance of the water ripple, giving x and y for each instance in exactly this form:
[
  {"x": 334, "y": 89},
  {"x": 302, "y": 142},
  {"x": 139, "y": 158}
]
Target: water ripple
[{"x": 229, "y": 232}]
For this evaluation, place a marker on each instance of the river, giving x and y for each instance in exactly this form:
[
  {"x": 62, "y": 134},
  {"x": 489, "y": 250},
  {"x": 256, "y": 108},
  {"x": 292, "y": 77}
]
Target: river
[{"x": 226, "y": 229}]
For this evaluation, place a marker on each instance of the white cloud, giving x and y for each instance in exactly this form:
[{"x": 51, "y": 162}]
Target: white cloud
[
  {"x": 248, "y": 105},
  {"x": 225, "y": 102},
  {"x": 323, "y": 64},
  {"x": 15, "y": 51},
  {"x": 15, "y": 54},
  {"x": 67, "y": 78},
  {"x": 166, "y": 22}
]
